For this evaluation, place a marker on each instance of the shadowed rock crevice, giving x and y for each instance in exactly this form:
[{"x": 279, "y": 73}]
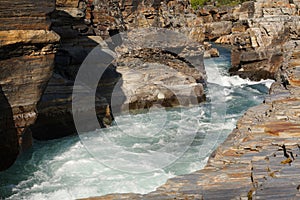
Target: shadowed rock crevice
[
  {"x": 9, "y": 146},
  {"x": 73, "y": 21}
]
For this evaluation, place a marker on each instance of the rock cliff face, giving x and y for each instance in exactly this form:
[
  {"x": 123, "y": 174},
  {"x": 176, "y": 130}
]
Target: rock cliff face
[
  {"x": 174, "y": 14},
  {"x": 259, "y": 41},
  {"x": 27, "y": 48},
  {"x": 73, "y": 21}
]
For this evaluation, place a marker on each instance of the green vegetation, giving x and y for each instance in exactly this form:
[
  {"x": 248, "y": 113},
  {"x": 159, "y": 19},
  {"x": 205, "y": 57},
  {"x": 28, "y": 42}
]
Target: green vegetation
[{"x": 200, "y": 3}]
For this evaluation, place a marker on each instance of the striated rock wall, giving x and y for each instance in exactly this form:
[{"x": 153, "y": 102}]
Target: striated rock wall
[
  {"x": 27, "y": 49},
  {"x": 218, "y": 21},
  {"x": 75, "y": 22},
  {"x": 259, "y": 36},
  {"x": 174, "y": 14},
  {"x": 258, "y": 53}
]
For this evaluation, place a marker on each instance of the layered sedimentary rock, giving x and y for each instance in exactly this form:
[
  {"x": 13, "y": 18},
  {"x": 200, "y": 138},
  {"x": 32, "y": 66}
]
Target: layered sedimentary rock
[
  {"x": 175, "y": 15},
  {"x": 259, "y": 36},
  {"x": 81, "y": 26},
  {"x": 218, "y": 21},
  {"x": 259, "y": 51},
  {"x": 27, "y": 49}
]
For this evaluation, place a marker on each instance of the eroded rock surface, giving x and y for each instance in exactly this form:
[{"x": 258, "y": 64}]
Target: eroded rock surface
[
  {"x": 175, "y": 15},
  {"x": 260, "y": 158}
]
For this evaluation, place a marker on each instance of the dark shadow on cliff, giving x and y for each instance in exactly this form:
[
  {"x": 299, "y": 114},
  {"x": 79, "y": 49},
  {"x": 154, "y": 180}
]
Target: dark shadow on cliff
[
  {"x": 8, "y": 134},
  {"x": 78, "y": 39}
]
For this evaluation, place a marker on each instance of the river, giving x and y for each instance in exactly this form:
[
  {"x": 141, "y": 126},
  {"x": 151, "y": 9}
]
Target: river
[{"x": 77, "y": 167}]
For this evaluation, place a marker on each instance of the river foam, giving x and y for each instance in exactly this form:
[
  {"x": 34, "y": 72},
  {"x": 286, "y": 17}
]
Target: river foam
[{"x": 69, "y": 168}]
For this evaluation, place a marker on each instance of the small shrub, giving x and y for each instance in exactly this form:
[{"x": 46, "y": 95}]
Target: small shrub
[
  {"x": 200, "y": 3},
  {"x": 197, "y": 3}
]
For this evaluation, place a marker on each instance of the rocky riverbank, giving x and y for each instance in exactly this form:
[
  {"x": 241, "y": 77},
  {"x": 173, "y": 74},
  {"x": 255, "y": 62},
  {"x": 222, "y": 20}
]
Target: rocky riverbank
[
  {"x": 259, "y": 159},
  {"x": 259, "y": 41}
]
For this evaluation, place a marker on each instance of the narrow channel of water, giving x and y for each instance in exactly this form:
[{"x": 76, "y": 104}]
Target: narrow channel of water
[{"x": 64, "y": 169}]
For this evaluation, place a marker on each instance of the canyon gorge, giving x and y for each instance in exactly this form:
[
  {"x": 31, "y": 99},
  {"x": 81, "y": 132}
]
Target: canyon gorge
[{"x": 44, "y": 43}]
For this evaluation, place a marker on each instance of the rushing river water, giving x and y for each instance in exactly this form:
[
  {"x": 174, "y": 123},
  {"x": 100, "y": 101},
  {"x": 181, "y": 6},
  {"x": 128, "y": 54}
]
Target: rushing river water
[{"x": 66, "y": 169}]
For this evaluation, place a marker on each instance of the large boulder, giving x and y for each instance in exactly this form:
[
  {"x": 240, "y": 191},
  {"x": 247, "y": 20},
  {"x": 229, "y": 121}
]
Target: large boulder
[
  {"x": 216, "y": 29},
  {"x": 171, "y": 73}
]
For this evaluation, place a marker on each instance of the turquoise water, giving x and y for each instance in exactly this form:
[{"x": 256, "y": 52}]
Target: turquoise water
[{"x": 126, "y": 160}]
